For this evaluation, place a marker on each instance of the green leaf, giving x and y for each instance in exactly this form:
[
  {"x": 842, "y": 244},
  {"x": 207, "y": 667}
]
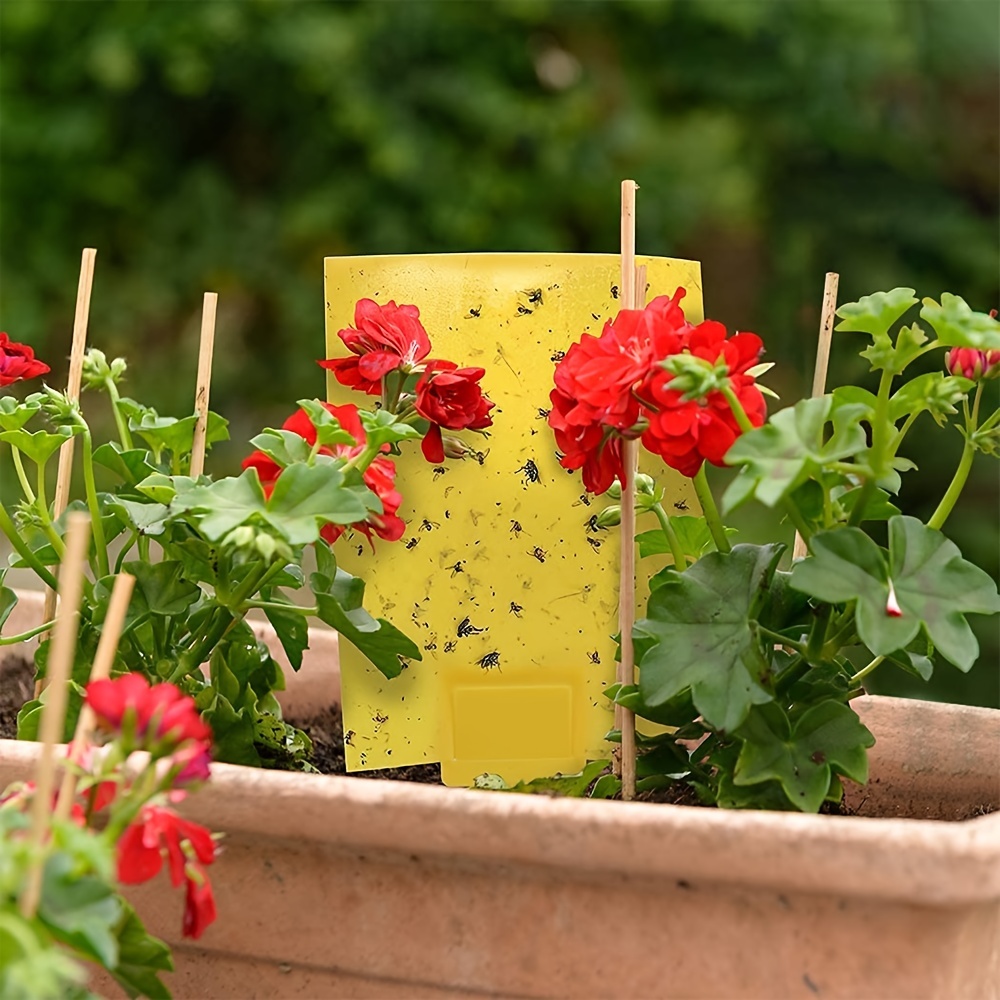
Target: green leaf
[
  {"x": 878, "y": 508},
  {"x": 791, "y": 447},
  {"x": 164, "y": 489},
  {"x": 147, "y": 518},
  {"x": 8, "y": 600},
  {"x": 39, "y": 446},
  {"x": 80, "y": 909},
  {"x": 377, "y": 639},
  {"x": 802, "y": 755},
  {"x": 305, "y": 498},
  {"x": 232, "y": 732},
  {"x": 382, "y": 427},
  {"x": 140, "y": 957},
  {"x": 328, "y": 428},
  {"x": 607, "y": 786},
  {"x": 935, "y": 392},
  {"x": 959, "y": 326},
  {"x": 222, "y": 505},
  {"x": 285, "y": 447},
  {"x": 160, "y": 589},
  {"x": 678, "y": 711},
  {"x": 701, "y": 621},
  {"x": 692, "y": 534},
  {"x": 176, "y": 434},
  {"x": 876, "y": 313},
  {"x": 292, "y": 631},
  {"x": 14, "y": 415},
  {"x": 883, "y": 354},
  {"x": 568, "y": 785},
  {"x": 934, "y": 586},
  {"x": 132, "y": 466}
]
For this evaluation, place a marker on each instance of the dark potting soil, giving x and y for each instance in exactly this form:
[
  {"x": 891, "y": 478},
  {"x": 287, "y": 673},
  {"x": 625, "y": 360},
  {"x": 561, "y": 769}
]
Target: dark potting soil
[{"x": 326, "y": 730}]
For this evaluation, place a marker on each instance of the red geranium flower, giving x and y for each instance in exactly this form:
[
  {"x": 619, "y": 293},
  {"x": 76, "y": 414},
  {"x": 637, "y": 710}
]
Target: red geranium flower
[
  {"x": 162, "y": 712},
  {"x": 684, "y": 433},
  {"x": 387, "y": 338},
  {"x": 18, "y": 361},
  {"x": 199, "y": 907},
  {"x": 451, "y": 397},
  {"x": 594, "y": 403},
  {"x": 162, "y": 832},
  {"x": 379, "y": 477}
]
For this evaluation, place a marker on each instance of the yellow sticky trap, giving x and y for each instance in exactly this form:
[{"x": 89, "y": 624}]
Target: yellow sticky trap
[{"x": 502, "y": 578}]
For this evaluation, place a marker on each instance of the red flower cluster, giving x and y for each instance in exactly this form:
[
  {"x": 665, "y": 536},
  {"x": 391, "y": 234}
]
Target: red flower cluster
[
  {"x": 18, "y": 361},
  {"x": 970, "y": 363},
  {"x": 450, "y": 397},
  {"x": 388, "y": 338},
  {"x": 391, "y": 338},
  {"x": 379, "y": 477},
  {"x": 188, "y": 848},
  {"x": 614, "y": 387},
  {"x": 155, "y": 715}
]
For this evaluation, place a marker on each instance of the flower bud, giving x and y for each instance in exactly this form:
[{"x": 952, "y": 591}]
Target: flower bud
[
  {"x": 455, "y": 447},
  {"x": 645, "y": 484},
  {"x": 610, "y": 517},
  {"x": 614, "y": 491},
  {"x": 242, "y": 537},
  {"x": 970, "y": 363}
]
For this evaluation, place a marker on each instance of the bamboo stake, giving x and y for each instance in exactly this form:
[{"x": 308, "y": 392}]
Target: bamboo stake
[
  {"x": 101, "y": 669},
  {"x": 65, "y": 473},
  {"x": 54, "y": 712},
  {"x": 205, "y": 351},
  {"x": 630, "y": 450},
  {"x": 827, "y": 316}
]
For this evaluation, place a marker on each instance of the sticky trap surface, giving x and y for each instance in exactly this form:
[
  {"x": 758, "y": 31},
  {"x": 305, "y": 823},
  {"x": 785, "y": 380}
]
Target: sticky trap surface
[{"x": 502, "y": 578}]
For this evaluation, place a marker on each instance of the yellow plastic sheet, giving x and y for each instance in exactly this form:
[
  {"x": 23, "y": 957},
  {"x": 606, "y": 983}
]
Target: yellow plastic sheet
[{"x": 502, "y": 577}]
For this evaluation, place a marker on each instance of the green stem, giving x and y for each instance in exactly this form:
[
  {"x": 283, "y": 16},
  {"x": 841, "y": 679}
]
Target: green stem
[
  {"x": 12, "y": 640},
  {"x": 817, "y": 634},
  {"x": 782, "y": 640},
  {"x": 801, "y": 525},
  {"x": 737, "y": 407},
  {"x": 880, "y": 424},
  {"x": 865, "y": 671},
  {"x": 42, "y": 506},
  {"x": 96, "y": 527},
  {"x": 364, "y": 459},
  {"x": 21, "y": 475},
  {"x": 958, "y": 481},
  {"x": 126, "y": 548},
  {"x": 710, "y": 511},
  {"x": 122, "y": 424},
  {"x": 19, "y": 546},
  {"x": 903, "y": 431},
  {"x": 276, "y": 606},
  {"x": 680, "y": 560}
]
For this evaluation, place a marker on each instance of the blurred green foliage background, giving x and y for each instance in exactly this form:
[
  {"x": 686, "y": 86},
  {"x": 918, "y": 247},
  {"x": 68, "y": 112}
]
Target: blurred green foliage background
[{"x": 229, "y": 146}]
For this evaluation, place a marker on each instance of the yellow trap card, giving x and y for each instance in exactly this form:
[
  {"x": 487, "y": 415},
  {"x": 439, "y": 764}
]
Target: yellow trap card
[{"x": 503, "y": 578}]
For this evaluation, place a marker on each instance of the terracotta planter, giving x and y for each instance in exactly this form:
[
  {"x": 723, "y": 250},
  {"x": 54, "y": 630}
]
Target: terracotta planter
[{"x": 345, "y": 887}]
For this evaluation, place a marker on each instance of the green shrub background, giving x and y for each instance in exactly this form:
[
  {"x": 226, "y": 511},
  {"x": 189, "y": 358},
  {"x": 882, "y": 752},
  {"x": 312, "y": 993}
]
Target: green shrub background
[{"x": 231, "y": 145}]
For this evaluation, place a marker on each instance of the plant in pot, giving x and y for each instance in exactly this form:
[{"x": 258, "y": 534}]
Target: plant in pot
[
  {"x": 112, "y": 823},
  {"x": 751, "y": 663},
  {"x": 205, "y": 552},
  {"x": 521, "y": 894}
]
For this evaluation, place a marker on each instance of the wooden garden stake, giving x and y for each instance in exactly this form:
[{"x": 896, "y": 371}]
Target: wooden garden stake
[
  {"x": 626, "y": 583},
  {"x": 65, "y": 473},
  {"x": 101, "y": 669},
  {"x": 822, "y": 363},
  {"x": 205, "y": 351},
  {"x": 54, "y": 711}
]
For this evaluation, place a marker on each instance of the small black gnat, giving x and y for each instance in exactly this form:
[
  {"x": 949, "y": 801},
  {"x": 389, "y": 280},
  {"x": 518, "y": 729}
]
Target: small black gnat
[
  {"x": 490, "y": 660},
  {"x": 412, "y": 543},
  {"x": 516, "y": 609},
  {"x": 530, "y": 472},
  {"x": 557, "y": 355},
  {"x": 466, "y": 628},
  {"x": 539, "y": 553}
]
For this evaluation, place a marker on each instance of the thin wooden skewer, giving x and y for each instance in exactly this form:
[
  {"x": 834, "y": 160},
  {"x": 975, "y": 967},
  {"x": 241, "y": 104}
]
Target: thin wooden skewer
[
  {"x": 103, "y": 661},
  {"x": 54, "y": 712},
  {"x": 205, "y": 351},
  {"x": 79, "y": 347},
  {"x": 626, "y": 583},
  {"x": 827, "y": 317}
]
